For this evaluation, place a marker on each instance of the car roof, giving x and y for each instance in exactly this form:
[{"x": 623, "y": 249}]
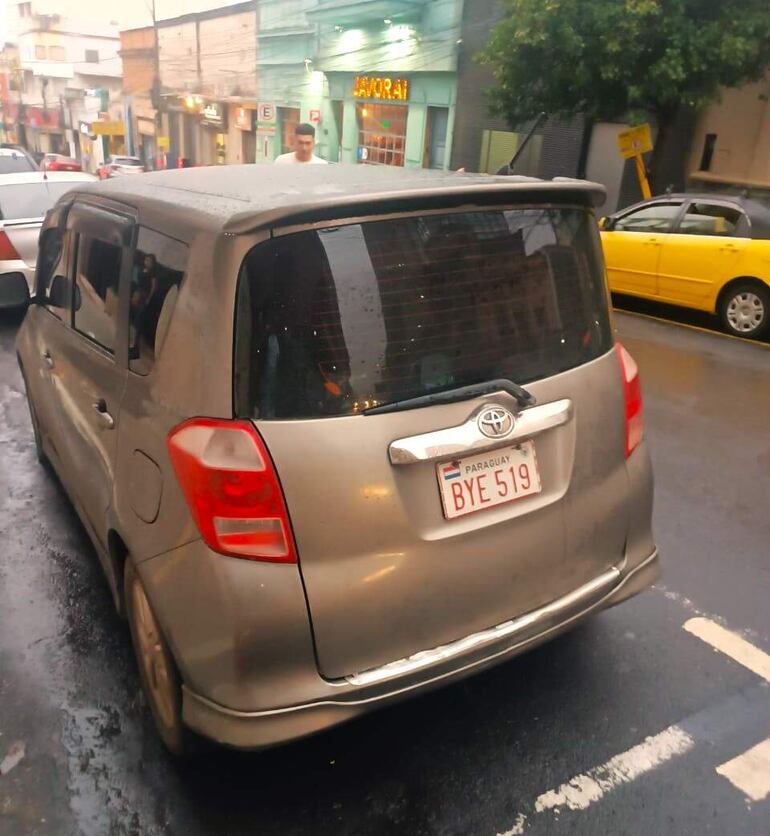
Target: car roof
[
  {"x": 243, "y": 198},
  {"x": 757, "y": 211},
  {"x": 23, "y": 177}
]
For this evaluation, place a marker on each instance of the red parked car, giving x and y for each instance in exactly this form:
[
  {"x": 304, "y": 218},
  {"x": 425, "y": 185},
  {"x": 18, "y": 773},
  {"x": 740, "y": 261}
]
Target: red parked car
[{"x": 58, "y": 162}]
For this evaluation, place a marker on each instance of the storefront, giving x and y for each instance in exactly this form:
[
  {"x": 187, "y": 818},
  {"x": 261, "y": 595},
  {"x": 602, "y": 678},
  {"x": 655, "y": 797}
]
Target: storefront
[
  {"x": 241, "y": 137},
  {"x": 213, "y": 134},
  {"x": 391, "y": 119},
  {"x": 44, "y": 130}
]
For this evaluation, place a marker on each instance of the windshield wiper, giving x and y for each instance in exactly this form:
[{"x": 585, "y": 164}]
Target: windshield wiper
[{"x": 461, "y": 393}]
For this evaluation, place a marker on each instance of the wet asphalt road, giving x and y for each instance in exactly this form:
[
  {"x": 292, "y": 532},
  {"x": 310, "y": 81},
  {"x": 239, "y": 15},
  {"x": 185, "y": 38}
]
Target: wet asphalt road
[{"x": 469, "y": 759}]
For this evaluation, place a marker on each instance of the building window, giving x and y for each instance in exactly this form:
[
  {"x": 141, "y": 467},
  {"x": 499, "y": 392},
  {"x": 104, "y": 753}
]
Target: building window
[
  {"x": 708, "y": 152},
  {"x": 40, "y": 52},
  {"x": 92, "y": 56},
  {"x": 289, "y": 117},
  {"x": 25, "y": 9},
  {"x": 57, "y": 53},
  {"x": 381, "y": 134}
]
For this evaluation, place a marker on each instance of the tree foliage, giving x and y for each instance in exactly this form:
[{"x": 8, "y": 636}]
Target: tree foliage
[{"x": 620, "y": 58}]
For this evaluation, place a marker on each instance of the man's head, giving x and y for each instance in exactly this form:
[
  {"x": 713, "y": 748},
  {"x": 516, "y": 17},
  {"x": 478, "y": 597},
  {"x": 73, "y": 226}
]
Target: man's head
[{"x": 304, "y": 142}]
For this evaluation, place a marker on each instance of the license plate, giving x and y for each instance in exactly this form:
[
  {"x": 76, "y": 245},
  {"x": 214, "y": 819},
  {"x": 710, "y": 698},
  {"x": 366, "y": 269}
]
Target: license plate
[{"x": 478, "y": 482}]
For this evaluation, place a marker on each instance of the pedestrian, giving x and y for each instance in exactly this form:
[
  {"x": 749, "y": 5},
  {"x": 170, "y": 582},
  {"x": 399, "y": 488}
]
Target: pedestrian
[{"x": 304, "y": 143}]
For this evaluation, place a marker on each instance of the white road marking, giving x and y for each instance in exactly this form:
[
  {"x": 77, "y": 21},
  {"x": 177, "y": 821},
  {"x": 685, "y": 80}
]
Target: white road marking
[
  {"x": 750, "y": 772},
  {"x": 13, "y": 757},
  {"x": 731, "y": 644},
  {"x": 589, "y": 787}
]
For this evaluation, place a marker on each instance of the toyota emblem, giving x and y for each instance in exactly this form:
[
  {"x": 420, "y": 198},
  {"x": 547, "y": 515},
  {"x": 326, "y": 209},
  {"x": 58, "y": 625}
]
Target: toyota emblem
[{"x": 496, "y": 422}]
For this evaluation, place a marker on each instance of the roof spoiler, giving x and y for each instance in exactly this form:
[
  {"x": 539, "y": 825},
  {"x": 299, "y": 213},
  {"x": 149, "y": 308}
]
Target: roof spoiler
[{"x": 500, "y": 190}]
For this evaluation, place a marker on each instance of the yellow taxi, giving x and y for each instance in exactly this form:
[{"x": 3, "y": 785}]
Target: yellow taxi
[{"x": 704, "y": 251}]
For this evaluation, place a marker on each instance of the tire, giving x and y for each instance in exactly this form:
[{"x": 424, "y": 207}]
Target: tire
[
  {"x": 160, "y": 680},
  {"x": 39, "y": 452},
  {"x": 744, "y": 309}
]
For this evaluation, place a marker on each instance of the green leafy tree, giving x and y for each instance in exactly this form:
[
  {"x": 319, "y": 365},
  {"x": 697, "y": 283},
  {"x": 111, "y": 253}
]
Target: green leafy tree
[{"x": 630, "y": 59}]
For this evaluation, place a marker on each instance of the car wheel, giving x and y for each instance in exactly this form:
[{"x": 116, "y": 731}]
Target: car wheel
[
  {"x": 157, "y": 671},
  {"x": 745, "y": 310}
]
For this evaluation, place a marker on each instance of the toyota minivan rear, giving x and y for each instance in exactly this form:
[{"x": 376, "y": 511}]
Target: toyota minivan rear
[{"x": 383, "y": 437}]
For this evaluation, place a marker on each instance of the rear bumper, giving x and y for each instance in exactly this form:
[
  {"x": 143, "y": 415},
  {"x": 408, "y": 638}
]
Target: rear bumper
[{"x": 431, "y": 669}]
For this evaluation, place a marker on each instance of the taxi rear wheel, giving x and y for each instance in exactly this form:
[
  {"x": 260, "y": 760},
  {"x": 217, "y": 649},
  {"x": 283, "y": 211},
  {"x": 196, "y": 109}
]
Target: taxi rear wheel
[{"x": 745, "y": 310}]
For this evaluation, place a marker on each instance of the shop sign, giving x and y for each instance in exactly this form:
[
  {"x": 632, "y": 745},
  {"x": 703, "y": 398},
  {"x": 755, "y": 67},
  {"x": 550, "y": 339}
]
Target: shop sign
[
  {"x": 381, "y": 87},
  {"x": 85, "y": 128},
  {"x": 38, "y": 117},
  {"x": 107, "y": 127},
  {"x": 266, "y": 111},
  {"x": 315, "y": 117},
  {"x": 212, "y": 114},
  {"x": 244, "y": 118}
]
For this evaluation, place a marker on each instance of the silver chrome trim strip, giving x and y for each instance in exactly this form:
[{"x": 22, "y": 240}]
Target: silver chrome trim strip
[
  {"x": 467, "y": 437},
  {"x": 556, "y": 610}
]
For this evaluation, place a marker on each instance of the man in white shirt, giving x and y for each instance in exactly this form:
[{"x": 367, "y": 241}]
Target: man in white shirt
[{"x": 304, "y": 143}]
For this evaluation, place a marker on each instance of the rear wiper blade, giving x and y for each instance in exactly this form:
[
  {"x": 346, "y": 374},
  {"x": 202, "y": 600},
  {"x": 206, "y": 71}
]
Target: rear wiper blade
[{"x": 461, "y": 393}]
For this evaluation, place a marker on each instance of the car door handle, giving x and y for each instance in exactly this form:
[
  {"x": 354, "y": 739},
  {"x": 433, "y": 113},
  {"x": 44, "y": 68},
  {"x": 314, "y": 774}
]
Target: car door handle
[
  {"x": 47, "y": 359},
  {"x": 108, "y": 422},
  {"x": 653, "y": 242}
]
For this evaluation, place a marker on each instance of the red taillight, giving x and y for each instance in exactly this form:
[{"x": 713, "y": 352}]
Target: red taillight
[
  {"x": 632, "y": 391},
  {"x": 231, "y": 486},
  {"x": 53, "y": 166},
  {"x": 7, "y": 250}
]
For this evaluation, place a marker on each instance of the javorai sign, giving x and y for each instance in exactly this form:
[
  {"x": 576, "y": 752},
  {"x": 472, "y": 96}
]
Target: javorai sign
[{"x": 381, "y": 87}]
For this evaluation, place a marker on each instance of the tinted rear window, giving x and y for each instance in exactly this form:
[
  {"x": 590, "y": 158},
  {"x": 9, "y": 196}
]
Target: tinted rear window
[
  {"x": 332, "y": 321},
  {"x": 31, "y": 200},
  {"x": 15, "y": 163}
]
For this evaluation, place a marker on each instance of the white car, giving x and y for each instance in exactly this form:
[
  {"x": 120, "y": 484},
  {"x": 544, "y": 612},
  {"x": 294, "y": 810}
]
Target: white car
[{"x": 24, "y": 200}]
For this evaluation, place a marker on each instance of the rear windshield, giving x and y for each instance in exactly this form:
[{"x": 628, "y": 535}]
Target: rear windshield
[
  {"x": 126, "y": 161},
  {"x": 15, "y": 163},
  {"x": 333, "y": 321},
  {"x": 31, "y": 200}
]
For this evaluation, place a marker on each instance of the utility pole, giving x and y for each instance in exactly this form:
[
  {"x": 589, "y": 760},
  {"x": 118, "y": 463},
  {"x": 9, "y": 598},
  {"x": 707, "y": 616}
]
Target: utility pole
[{"x": 157, "y": 99}]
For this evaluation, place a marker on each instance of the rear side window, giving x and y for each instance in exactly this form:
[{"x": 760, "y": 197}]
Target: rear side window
[
  {"x": 712, "y": 219},
  {"x": 31, "y": 200},
  {"x": 15, "y": 164},
  {"x": 96, "y": 294},
  {"x": 330, "y": 322},
  {"x": 157, "y": 272}
]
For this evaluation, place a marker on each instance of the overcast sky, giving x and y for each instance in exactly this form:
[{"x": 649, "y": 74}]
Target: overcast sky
[{"x": 126, "y": 13}]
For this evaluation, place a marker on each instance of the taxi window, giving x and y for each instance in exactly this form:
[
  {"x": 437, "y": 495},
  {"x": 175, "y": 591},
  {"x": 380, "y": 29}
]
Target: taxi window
[
  {"x": 657, "y": 218},
  {"x": 711, "y": 219}
]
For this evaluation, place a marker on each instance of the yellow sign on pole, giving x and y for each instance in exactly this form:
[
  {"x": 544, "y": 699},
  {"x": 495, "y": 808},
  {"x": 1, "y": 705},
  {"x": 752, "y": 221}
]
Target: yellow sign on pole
[
  {"x": 633, "y": 143},
  {"x": 164, "y": 143},
  {"x": 115, "y": 128}
]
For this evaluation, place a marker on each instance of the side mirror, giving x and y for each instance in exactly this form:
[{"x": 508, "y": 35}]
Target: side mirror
[
  {"x": 14, "y": 290},
  {"x": 60, "y": 293},
  {"x": 606, "y": 224}
]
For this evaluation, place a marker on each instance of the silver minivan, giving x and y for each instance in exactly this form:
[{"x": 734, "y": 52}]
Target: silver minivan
[{"x": 338, "y": 434}]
